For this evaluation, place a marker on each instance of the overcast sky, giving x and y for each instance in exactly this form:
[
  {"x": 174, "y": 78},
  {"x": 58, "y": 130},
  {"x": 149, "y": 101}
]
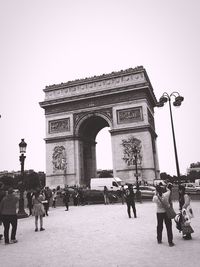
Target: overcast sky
[{"x": 46, "y": 42}]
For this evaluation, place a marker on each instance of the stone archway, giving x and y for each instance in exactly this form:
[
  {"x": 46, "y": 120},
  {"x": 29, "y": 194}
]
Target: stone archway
[
  {"x": 87, "y": 131},
  {"x": 76, "y": 111}
]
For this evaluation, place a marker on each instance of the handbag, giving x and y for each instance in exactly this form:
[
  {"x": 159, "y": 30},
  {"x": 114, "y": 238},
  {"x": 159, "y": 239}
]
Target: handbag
[
  {"x": 171, "y": 214},
  {"x": 187, "y": 229}
]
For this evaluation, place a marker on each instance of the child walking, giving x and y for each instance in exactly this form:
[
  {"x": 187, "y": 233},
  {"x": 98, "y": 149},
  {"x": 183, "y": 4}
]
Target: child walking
[{"x": 38, "y": 210}]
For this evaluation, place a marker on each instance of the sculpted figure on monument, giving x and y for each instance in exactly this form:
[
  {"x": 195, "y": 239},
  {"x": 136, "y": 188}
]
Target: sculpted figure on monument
[
  {"x": 128, "y": 145},
  {"x": 59, "y": 158}
]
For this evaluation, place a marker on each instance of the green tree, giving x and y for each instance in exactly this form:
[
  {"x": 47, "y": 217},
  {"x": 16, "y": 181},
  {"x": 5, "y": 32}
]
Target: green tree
[
  {"x": 106, "y": 174},
  {"x": 32, "y": 181},
  {"x": 8, "y": 181},
  {"x": 193, "y": 175}
]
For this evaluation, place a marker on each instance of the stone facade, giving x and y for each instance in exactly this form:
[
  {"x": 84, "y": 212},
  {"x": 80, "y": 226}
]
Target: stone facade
[{"x": 76, "y": 111}]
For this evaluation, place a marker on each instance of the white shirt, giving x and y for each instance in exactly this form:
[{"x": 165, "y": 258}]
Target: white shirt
[{"x": 165, "y": 198}]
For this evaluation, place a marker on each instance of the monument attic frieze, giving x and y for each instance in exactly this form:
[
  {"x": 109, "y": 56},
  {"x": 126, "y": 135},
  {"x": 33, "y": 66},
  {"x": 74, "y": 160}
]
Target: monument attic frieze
[{"x": 97, "y": 83}]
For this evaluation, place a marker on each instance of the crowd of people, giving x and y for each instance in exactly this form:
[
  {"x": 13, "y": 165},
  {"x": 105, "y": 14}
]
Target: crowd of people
[{"x": 38, "y": 203}]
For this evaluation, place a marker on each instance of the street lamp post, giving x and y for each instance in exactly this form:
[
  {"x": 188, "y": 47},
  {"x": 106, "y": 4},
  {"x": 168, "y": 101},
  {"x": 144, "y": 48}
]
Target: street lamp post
[
  {"x": 22, "y": 149},
  {"x": 178, "y": 100},
  {"x": 136, "y": 151}
]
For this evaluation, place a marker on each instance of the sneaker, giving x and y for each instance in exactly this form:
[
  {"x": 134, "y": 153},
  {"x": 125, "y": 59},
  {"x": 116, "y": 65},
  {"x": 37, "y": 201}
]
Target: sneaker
[
  {"x": 36, "y": 229},
  {"x": 13, "y": 241},
  {"x": 171, "y": 244},
  {"x": 7, "y": 243},
  {"x": 42, "y": 229},
  {"x": 159, "y": 242}
]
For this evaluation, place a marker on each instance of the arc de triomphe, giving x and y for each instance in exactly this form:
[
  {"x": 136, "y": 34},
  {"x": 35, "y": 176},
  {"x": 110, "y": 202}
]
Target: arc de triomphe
[{"x": 76, "y": 111}]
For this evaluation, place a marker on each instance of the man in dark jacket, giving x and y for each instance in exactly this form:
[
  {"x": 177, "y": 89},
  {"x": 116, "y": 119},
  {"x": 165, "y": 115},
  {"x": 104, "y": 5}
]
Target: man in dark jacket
[
  {"x": 130, "y": 200},
  {"x": 9, "y": 216},
  {"x": 66, "y": 198}
]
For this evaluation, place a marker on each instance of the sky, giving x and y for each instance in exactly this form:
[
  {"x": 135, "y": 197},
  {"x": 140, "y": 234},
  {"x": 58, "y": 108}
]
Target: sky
[{"x": 46, "y": 42}]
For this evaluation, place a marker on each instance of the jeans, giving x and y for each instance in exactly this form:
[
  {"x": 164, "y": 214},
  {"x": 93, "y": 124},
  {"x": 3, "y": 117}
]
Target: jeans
[
  {"x": 7, "y": 221},
  {"x": 162, "y": 217}
]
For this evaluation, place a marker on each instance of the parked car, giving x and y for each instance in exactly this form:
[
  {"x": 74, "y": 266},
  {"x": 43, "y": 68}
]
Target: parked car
[
  {"x": 191, "y": 188},
  {"x": 146, "y": 191}
]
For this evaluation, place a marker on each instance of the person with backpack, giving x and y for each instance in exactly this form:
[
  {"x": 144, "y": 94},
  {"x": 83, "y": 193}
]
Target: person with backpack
[{"x": 130, "y": 200}]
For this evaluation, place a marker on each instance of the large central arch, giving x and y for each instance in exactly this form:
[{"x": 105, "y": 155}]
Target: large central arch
[
  {"x": 87, "y": 130},
  {"x": 76, "y": 111}
]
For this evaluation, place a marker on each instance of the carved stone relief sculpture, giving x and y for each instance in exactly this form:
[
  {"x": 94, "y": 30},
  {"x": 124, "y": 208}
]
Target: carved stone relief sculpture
[
  {"x": 59, "y": 158},
  {"x": 129, "y": 115},
  {"x": 128, "y": 146},
  {"x": 62, "y": 125}
]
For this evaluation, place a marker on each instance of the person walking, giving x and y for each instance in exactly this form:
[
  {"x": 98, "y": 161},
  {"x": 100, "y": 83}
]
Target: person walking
[
  {"x": 105, "y": 195},
  {"x": 130, "y": 200},
  {"x": 29, "y": 197},
  {"x": 54, "y": 198},
  {"x": 38, "y": 210},
  {"x": 76, "y": 196},
  {"x": 8, "y": 207},
  {"x": 186, "y": 213},
  {"x": 48, "y": 195},
  {"x": 161, "y": 214},
  {"x": 66, "y": 198}
]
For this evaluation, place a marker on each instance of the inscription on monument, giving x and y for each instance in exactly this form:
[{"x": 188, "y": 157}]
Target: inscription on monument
[
  {"x": 57, "y": 126},
  {"x": 129, "y": 115}
]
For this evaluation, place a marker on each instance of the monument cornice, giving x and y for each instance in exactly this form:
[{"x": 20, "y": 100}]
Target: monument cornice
[
  {"x": 88, "y": 96},
  {"x": 59, "y": 139},
  {"x": 131, "y": 130},
  {"x": 98, "y": 101}
]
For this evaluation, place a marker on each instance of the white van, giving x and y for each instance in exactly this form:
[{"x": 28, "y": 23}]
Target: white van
[{"x": 113, "y": 183}]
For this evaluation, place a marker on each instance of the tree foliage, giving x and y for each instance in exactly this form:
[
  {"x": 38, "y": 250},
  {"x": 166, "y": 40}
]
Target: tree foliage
[
  {"x": 8, "y": 181},
  {"x": 195, "y": 165},
  {"x": 106, "y": 174}
]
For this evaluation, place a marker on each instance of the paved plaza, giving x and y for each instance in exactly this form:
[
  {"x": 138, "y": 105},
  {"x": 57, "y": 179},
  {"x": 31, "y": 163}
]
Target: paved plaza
[{"x": 100, "y": 236}]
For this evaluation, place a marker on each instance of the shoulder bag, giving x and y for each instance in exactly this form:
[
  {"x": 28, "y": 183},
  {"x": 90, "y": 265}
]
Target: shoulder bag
[{"x": 169, "y": 209}]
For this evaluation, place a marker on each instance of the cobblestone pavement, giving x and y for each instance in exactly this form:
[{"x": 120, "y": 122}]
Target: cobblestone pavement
[{"x": 100, "y": 236}]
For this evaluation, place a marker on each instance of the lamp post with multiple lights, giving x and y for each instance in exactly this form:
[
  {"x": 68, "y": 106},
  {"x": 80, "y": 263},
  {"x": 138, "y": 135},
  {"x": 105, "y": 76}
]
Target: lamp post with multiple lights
[{"x": 177, "y": 102}]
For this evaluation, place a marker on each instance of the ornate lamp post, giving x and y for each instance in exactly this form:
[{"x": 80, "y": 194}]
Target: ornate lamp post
[
  {"x": 136, "y": 152},
  {"x": 22, "y": 149},
  {"x": 178, "y": 100}
]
